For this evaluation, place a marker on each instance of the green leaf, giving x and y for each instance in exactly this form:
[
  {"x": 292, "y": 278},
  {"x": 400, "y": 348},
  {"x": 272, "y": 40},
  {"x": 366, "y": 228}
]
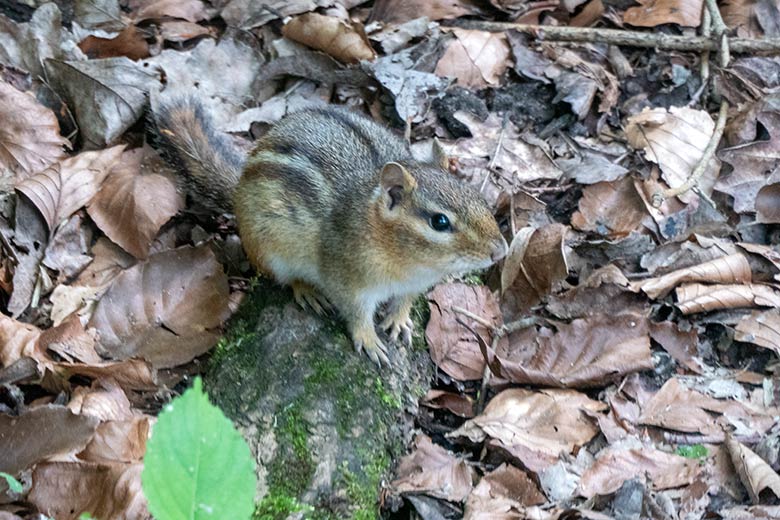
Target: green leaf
[
  {"x": 13, "y": 484},
  {"x": 197, "y": 466},
  {"x": 696, "y": 451}
]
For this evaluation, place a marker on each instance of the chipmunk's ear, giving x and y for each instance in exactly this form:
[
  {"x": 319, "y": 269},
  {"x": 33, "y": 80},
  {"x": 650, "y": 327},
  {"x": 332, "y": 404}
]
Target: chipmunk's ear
[
  {"x": 440, "y": 158},
  {"x": 396, "y": 182}
]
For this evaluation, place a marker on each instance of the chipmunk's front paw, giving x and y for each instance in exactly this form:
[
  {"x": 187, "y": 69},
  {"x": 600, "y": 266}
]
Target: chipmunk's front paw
[
  {"x": 399, "y": 324},
  {"x": 367, "y": 340},
  {"x": 307, "y": 296}
]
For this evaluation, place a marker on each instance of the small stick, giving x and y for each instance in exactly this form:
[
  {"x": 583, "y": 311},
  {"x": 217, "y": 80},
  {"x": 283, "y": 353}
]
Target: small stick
[{"x": 626, "y": 38}]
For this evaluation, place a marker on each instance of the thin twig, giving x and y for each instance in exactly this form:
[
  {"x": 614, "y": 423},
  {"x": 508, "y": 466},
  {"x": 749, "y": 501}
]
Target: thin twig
[
  {"x": 626, "y": 38},
  {"x": 659, "y": 196},
  {"x": 706, "y": 25},
  {"x": 479, "y": 319}
]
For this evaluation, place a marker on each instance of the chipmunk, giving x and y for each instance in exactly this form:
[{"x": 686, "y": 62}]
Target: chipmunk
[{"x": 333, "y": 204}]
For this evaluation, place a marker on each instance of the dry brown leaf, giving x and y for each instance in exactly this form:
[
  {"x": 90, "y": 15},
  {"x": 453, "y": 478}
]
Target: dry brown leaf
[
  {"x": 67, "y": 251},
  {"x": 165, "y": 309},
  {"x": 459, "y": 404},
  {"x": 131, "y": 374},
  {"x": 760, "y": 328},
  {"x": 17, "y": 340},
  {"x": 756, "y": 475},
  {"x": 658, "y": 12},
  {"x": 535, "y": 263},
  {"x": 606, "y": 290},
  {"x": 179, "y": 31},
  {"x": 190, "y": 10},
  {"x": 454, "y": 348},
  {"x": 536, "y": 427},
  {"x": 768, "y": 202},
  {"x": 40, "y": 433},
  {"x": 585, "y": 353},
  {"x": 63, "y": 188},
  {"x": 614, "y": 209},
  {"x": 680, "y": 344},
  {"x": 432, "y": 470},
  {"x": 400, "y": 11},
  {"x": 344, "y": 40},
  {"x": 30, "y": 139},
  {"x": 614, "y": 466},
  {"x": 745, "y": 16},
  {"x": 477, "y": 59},
  {"x": 68, "y": 299},
  {"x": 696, "y": 297},
  {"x": 70, "y": 342},
  {"x": 133, "y": 204},
  {"x": 65, "y": 490},
  {"x": 118, "y": 441},
  {"x": 675, "y": 140},
  {"x": 502, "y": 495},
  {"x": 676, "y": 407},
  {"x": 109, "y": 260},
  {"x": 726, "y": 269},
  {"x": 129, "y": 42},
  {"x": 104, "y": 400}
]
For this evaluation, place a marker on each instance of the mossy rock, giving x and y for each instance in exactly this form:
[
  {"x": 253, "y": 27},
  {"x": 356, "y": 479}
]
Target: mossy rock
[{"x": 324, "y": 423}]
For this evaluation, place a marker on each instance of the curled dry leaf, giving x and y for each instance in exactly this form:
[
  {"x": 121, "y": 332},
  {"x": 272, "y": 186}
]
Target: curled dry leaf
[
  {"x": 433, "y": 470},
  {"x": 40, "y": 433},
  {"x": 614, "y": 209},
  {"x": 67, "y": 251},
  {"x": 766, "y": 252},
  {"x": 726, "y": 269},
  {"x": 614, "y": 466},
  {"x": 165, "y": 309},
  {"x": 675, "y": 140},
  {"x": 658, "y": 12},
  {"x": 696, "y": 297},
  {"x": 502, "y": 494},
  {"x": 64, "y": 187},
  {"x": 133, "y": 204},
  {"x": 756, "y": 475},
  {"x": 454, "y": 348},
  {"x": 760, "y": 328},
  {"x": 477, "y": 59},
  {"x": 536, "y": 427},
  {"x": 70, "y": 342},
  {"x": 65, "y": 490},
  {"x": 459, "y": 404},
  {"x": 30, "y": 137},
  {"x": 585, "y": 353},
  {"x": 535, "y": 263},
  {"x": 680, "y": 344},
  {"x": 344, "y": 40}
]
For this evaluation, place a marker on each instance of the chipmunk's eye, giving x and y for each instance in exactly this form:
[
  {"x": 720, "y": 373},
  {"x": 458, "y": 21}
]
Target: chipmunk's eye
[{"x": 440, "y": 222}]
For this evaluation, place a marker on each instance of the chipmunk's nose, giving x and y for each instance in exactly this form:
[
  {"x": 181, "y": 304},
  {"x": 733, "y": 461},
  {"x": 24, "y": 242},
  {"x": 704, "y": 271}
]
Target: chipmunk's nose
[{"x": 499, "y": 250}]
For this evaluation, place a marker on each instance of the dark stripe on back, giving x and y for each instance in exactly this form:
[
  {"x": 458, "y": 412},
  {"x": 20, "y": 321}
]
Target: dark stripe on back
[
  {"x": 294, "y": 180},
  {"x": 299, "y": 149},
  {"x": 365, "y": 139}
]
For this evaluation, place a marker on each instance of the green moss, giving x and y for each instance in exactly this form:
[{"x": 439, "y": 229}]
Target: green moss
[
  {"x": 292, "y": 468},
  {"x": 388, "y": 398},
  {"x": 362, "y": 491},
  {"x": 279, "y": 507},
  {"x": 474, "y": 278}
]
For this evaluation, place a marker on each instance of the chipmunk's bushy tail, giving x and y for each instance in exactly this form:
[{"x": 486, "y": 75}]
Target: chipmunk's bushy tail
[{"x": 209, "y": 162}]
